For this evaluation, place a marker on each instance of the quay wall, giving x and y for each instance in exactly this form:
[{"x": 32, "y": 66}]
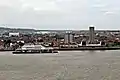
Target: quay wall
[{"x": 88, "y": 48}]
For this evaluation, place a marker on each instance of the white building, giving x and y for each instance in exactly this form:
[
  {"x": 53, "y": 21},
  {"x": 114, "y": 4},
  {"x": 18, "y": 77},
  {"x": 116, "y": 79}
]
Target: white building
[
  {"x": 66, "y": 38},
  {"x": 14, "y": 34},
  {"x": 71, "y": 38},
  {"x": 100, "y": 44}
]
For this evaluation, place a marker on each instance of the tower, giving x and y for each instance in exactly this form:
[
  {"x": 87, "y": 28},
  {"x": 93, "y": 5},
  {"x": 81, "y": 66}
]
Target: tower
[
  {"x": 69, "y": 37},
  {"x": 91, "y": 34}
]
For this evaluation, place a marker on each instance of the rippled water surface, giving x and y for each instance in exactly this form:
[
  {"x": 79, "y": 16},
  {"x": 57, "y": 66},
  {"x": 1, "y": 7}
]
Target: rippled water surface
[{"x": 71, "y": 65}]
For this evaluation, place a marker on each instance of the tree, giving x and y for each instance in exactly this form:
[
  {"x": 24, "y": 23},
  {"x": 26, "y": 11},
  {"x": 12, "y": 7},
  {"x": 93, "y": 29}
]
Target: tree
[
  {"x": 84, "y": 43},
  {"x": 21, "y": 44},
  {"x": 102, "y": 43},
  {"x": 7, "y": 42}
]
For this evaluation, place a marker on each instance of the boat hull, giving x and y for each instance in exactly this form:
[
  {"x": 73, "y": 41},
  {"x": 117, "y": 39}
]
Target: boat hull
[
  {"x": 26, "y": 52},
  {"x": 34, "y": 52}
]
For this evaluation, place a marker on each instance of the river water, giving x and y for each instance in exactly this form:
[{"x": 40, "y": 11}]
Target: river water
[{"x": 70, "y": 65}]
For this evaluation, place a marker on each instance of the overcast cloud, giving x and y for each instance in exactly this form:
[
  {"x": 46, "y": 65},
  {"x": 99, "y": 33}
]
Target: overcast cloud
[{"x": 60, "y": 14}]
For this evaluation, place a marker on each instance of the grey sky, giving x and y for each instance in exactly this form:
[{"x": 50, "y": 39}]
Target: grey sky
[{"x": 60, "y": 14}]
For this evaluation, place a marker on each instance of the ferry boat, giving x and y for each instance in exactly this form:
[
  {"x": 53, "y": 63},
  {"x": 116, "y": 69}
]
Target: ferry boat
[{"x": 34, "y": 49}]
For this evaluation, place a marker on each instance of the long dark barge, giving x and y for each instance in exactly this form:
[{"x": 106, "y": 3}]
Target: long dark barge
[{"x": 34, "y": 51}]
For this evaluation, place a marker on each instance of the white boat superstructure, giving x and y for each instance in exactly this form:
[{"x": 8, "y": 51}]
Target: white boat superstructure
[{"x": 31, "y": 48}]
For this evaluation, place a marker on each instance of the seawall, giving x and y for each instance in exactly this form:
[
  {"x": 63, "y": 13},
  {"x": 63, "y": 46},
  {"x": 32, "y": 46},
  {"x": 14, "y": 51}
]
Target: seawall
[{"x": 88, "y": 48}]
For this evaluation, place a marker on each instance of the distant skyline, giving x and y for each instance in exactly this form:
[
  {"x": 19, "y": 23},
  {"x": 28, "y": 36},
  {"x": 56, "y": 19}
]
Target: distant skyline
[{"x": 61, "y": 14}]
